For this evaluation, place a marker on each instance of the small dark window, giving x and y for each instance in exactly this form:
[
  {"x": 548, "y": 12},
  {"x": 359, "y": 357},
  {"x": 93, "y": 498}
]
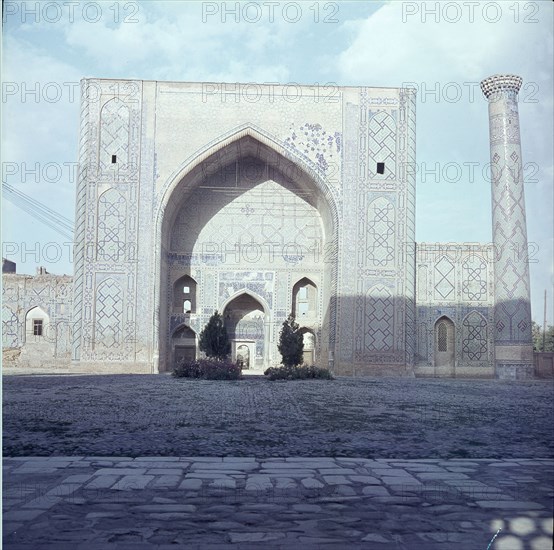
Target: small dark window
[
  {"x": 114, "y": 159},
  {"x": 443, "y": 337},
  {"x": 380, "y": 167},
  {"x": 37, "y": 327}
]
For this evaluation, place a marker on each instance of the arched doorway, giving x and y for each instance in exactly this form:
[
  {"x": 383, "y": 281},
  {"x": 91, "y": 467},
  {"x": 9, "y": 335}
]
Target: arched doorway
[
  {"x": 245, "y": 320},
  {"x": 244, "y": 214},
  {"x": 243, "y": 356},
  {"x": 444, "y": 343},
  {"x": 183, "y": 345},
  {"x": 308, "y": 338}
]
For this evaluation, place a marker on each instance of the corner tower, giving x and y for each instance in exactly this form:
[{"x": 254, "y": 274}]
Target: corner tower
[{"x": 512, "y": 310}]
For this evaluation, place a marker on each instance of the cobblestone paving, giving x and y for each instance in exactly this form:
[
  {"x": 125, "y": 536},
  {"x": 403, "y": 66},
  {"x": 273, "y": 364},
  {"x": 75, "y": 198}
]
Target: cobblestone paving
[
  {"x": 92, "y": 502},
  {"x": 416, "y": 464},
  {"x": 132, "y": 415}
]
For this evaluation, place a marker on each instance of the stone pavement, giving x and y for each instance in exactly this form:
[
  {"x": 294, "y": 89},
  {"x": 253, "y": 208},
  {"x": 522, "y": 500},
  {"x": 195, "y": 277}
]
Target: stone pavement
[
  {"x": 95, "y": 502},
  {"x": 141, "y": 415}
]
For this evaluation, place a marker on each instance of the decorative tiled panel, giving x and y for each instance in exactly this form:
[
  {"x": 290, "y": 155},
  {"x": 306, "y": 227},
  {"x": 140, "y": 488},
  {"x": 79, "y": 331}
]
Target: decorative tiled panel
[
  {"x": 112, "y": 218},
  {"x": 348, "y": 318},
  {"x": 107, "y": 221},
  {"x": 21, "y": 294},
  {"x": 461, "y": 290},
  {"x": 381, "y": 229},
  {"x": 11, "y": 336},
  {"x": 445, "y": 279},
  {"x": 382, "y": 144},
  {"x": 474, "y": 337},
  {"x": 474, "y": 279},
  {"x": 114, "y": 136},
  {"x": 379, "y": 319},
  {"x": 108, "y": 333}
]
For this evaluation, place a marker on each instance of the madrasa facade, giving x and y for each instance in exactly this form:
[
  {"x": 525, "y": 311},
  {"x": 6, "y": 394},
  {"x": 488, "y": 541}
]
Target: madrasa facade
[{"x": 261, "y": 200}]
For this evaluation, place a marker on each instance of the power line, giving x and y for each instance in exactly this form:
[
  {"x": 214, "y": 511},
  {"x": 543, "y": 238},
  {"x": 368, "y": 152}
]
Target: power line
[{"x": 54, "y": 220}]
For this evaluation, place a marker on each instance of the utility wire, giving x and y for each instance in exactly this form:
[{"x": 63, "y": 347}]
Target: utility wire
[{"x": 49, "y": 217}]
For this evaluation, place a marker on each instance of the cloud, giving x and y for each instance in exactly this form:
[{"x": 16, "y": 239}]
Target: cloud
[
  {"x": 42, "y": 97},
  {"x": 391, "y": 45},
  {"x": 174, "y": 44}
]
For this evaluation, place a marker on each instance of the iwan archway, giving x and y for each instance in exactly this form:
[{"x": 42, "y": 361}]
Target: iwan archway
[{"x": 246, "y": 216}]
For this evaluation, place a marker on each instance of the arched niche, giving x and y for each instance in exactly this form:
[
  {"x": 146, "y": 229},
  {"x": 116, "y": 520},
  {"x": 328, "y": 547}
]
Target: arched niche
[
  {"x": 36, "y": 325},
  {"x": 445, "y": 343},
  {"x": 309, "y": 340},
  {"x": 305, "y": 300},
  {"x": 183, "y": 344},
  {"x": 184, "y": 295}
]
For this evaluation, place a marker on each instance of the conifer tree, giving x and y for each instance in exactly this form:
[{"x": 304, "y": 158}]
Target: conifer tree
[
  {"x": 214, "y": 340},
  {"x": 291, "y": 343}
]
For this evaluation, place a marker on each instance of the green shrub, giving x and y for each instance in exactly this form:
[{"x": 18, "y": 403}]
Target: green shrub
[
  {"x": 207, "y": 369},
  {"x": 298, "y": 372}
]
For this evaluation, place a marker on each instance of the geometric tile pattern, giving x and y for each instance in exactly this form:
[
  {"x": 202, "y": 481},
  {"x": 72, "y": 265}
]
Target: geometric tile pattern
[
  {"x": 112, "y": 217},
  {"x": 10, "y": 328},
  {"x": 114, "y": 135},
  {"x": 474, "y": 279},
  {"x": 444, "y": 279},
  {"x": 85, "y": 159},
  {"x": 382, "y": 145},
  {"x": 405, "y": 173},
  {"x": 474, "y": 337},
  {"x": 111, "y": 226},
  {"x": 109, "y": 314},
  {"x": 379, "y": 319},
  {"x": 380, "y": 233}
]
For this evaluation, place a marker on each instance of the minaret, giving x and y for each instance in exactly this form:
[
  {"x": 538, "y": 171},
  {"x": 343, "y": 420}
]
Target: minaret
[{"x": 512, "y": 311}]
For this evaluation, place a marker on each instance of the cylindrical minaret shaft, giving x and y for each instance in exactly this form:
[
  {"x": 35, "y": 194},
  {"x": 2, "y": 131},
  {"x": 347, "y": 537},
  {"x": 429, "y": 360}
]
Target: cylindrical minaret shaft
[{"x": 512, "y": 310}]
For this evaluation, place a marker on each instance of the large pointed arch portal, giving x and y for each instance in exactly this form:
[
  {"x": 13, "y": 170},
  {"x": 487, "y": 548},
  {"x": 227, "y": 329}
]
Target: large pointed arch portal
[{"x": 245, "y": 213}]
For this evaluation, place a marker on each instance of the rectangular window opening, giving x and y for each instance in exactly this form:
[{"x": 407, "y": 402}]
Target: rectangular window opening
[
  {"x": 114, "y": 159},
  {"x": 37, "y": 327},
  {"x": 380, "y": 167},
  {"x": 186, "y": 290}
]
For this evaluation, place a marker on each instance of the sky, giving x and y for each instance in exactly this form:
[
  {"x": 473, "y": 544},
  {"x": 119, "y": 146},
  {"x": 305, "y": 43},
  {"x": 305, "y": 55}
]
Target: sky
[{"x": 443, "y": 49}]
